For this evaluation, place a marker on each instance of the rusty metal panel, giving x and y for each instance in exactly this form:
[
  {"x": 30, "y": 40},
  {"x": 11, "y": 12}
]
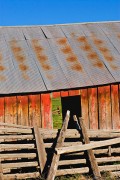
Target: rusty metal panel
[
  {"x": 90, "y": 60},
  {"x": 48, "y": 65},
  {"x": 72, "y": 30},
  {"x": 107, "y": 53},
  {"x": 28, "y": 76},
  {"x": 68, "y": 60},
  {"x": 33, "y": 32},
  {"x": 11, "y": 33},
  {"x": 52, "y": 31}
]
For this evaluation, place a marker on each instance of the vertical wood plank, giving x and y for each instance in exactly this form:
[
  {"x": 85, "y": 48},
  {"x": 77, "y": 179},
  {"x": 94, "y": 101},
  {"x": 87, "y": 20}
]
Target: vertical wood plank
[
  {"x": 84, "y": 106},
  {"x": 102, "y": 108},
  {"x": 60, "y": 142},
  {"x": 93, "y": 108},
  {"x": 34, "y": 110},
  {"x": 22, "y": 103},
  {"x": 64, "y": 93},
  {"x": 74, "y": 92},
  {"x": 55, "y": 94},
  {"x": 10, "y": 110},
  {"x": 46, "y": 108},
  {"x": 42, "y": 156},
  {"x": 108, "y": 107},
  {"x": 92, "y": 159},
  {"x": 2, "y": 112},
  {"x": 115, "y": 107}
]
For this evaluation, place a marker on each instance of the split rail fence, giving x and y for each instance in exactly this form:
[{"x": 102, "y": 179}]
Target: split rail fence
[{"x": 32, "y": 152}]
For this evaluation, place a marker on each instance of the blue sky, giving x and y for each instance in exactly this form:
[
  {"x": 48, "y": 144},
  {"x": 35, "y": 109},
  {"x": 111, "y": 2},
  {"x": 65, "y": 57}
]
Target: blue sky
[{"x": 39, "y": 12}]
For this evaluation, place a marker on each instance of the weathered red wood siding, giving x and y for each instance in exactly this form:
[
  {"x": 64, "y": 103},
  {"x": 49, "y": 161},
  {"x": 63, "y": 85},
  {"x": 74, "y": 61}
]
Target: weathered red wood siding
[{"x": 100, "y": 107}]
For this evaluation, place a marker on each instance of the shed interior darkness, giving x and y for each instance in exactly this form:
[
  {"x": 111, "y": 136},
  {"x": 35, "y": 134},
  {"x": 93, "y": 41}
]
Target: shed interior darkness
[{"x": 73, "y": 104}]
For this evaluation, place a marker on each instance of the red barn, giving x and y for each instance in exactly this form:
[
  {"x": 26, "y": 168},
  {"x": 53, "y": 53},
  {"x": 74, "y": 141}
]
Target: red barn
[{"x": 79, "y": 63}]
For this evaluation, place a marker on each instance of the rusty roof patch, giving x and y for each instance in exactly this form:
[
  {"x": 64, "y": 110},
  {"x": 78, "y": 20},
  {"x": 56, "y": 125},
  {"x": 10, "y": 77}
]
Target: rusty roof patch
[
  {"x": 2, "y": 68},
  {"x": 62, "y": 41},
  {"x": 67, "y": 49},
  {"x": 40, "y": 54},
  {"x": 42, "y": 58},
  {"x": 49, "y": 77},
  {"x": 109, "y": 57},
  {"x": 98, "y": 42},
  {"x": 1, "y": 57},
  {"x": 86, "y": 47},
  {"x": 72, "y": 58},
  {"x": 46, "y": 66},
  {"x": 98, "y": 64},
  {"x": 82, "y": 39},
  {"x": 23, "y": 67},
  {"x": 118, "y": 36},
  {"x": 93, "y": 55},
  {"x": 20, "y": 58},
  {"x": 76, "y": 67},
  {"x": 2, "y": 78}
]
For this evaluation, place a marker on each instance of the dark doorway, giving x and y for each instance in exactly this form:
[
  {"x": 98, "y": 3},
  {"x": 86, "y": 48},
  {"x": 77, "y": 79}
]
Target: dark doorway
[{"x": 73, "y": 104}]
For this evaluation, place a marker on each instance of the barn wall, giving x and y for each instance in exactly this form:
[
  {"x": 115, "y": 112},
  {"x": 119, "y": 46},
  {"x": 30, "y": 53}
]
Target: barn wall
[{"x": 100, "y": 108}]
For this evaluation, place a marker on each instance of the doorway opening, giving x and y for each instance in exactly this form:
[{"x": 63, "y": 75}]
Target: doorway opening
[{"x": 73, "y": 104}]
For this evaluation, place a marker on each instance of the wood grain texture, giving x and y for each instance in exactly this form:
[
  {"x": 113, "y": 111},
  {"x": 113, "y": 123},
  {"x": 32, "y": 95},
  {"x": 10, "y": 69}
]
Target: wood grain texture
[
  {"x": 55, "y": 94},
  {"x": 42, "y": 156},
  {"x": 64, "y": 93},
  {"x": 34, "y": 110},
  {"x": 115, "y": 107},
  {"x": 92, "y": 159},
  {"x": 10, "y": 110},
  {"x": 102, "y": 107},
  {"x": 2, "y": 112},
  {"x": 22, "y": 103},
  {"x": 74, "y": 92},
  {"x": 60, "y": 142},
  {"x": 108, "y": 108},
  {"x": 46, "y": 111},
  {"x": 84, "y": 106},
  {"x": 93, "y": 108}
]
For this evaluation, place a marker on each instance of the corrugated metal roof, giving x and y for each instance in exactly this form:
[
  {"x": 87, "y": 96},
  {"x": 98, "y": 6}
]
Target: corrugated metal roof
[{"x": 49, "y": 58}]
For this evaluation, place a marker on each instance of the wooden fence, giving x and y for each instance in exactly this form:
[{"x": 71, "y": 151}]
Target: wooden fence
[{"x": 31, "y": 152}]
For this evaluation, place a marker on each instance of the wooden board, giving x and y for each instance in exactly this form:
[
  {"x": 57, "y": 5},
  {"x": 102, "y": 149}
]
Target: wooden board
[
  {"x": 74, "y": 92},
  {"x": 55, "y": 94},
  {"x": 93, "y": 108},
  {"x": 22, "y": 104},
  {"x": 10, "y": 110},
  {"x": 2, "y": 109},
  {"x": 34, "y": 110},
  {"x": 60, "y": 142},
  {"x": 115, "y": 107},
  {"x": 64, "y": 93},
  {"x": 108, "y": 107},
  {"x": 102, "y": 107},
  {"x": 42, "y": 156},
  {"x": 84, "y": 106},
  {"x": 46, "y": 111}
]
